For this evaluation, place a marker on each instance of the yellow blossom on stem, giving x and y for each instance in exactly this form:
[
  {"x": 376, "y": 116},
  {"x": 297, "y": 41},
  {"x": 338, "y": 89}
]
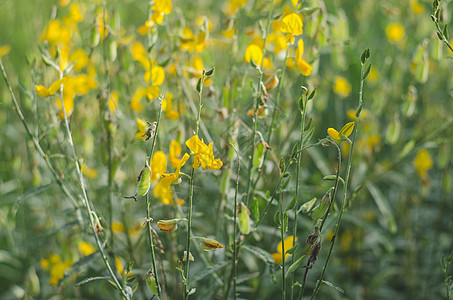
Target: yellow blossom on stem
[
  {"x": 4, "y": 50},
  {"x": 169, "y": 225},
  {"x": 253, "y": 52},
  {"x": 288, "y": 243},
  {"x": 80, "y": 58},
  {"x": 89, "y": 172},
  {"x": 117, "y": 227},
  {"x": 190, "y": 42},
  {"x": 394, "y": 32},
  {"x": 163, "y": 6},
  {"x": 86, "y": 248},
  {"x": 173, "y": 153},
  {"x": 54, "y": 87},
  {"x": 135, "y": 103},
  {"x": 423, "y": 163},
  {"x": 301, "y": 65},
  {"x": 209, "y": 244},
  {"x": 163, "y": 190},
  {"x": 141, "y": 129},
  {"x": 158, "y": 165},
  {"x": 203, "y": 154},
  {"x": 342, "y": 86},
  {"x": 345, "y": 131},
  {"x": 292, "y": 23},
  {"x": 167, "y": 107}
]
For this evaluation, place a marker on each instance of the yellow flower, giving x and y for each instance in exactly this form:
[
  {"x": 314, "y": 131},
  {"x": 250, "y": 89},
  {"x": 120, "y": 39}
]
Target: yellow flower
[
  {"x": 54, "y": 87},
  {"x": 231, "y": 7},
  {"x": 119, "y": 267},
  {"x": 80, "y": 58},
  {"x": 89, "y": 172},
  {"x": 345, "y": 131},
  {"x": 163, "y": 6},
  {"x": 113, "y": 101},
  {"x": 190, "y": 42},
  {"x": 342, "y": 87},
  {"x": 4, "y": 50},
  {"x": 351, "y": 114},
  {"x": 209, "y": 244},
  {"x": 158, "y": 165},
  {"x": 301, "y": 65},
  {"x": 86, "y": 248},
  {"x": 169, "y": 225},
  {"x": 173, "y": 153},
  {"x": 152, "y": 92},
  {"x": 135, "y": 101},
  {"x": 141, "y": 129},
  {"x": 167, "y": 107},
  {"x": 45, "y": 264},
  {"x": 288, "y": 243},
  {"x": 394, "y": 32},
  {"x": 162, "y": 189},
  {"x": 292, "y": 23},
  {"x": 253, "y": 52},
  {"x": 117, "y": 227},
  {"x": 203, "y": 154},
  {"x": 416, "y": 7},
  {"x": 423, "y": 163}
]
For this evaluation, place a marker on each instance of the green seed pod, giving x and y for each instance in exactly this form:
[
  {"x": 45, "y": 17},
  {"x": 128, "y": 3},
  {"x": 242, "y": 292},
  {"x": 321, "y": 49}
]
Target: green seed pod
[{"x": 144, "y": 180}]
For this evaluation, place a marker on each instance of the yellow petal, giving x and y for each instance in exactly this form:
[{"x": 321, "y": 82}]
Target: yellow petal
[
  {"x": 157, "y": 75},
  {"x": 423, "y": 162},
  {"x": 152, "y": 92},
  {"x": 158, "y": 165},
  {"x": 4, "y": 50},
  {"x": 347, "y": 129},
  {"x": 292, "y": 23},
  {"x": 163, "y": 6},
  {"x": 42, "y": 91},
  {"x": 303, "y": 67},
  {"x": 253, "y": 52},
  {"x": 333, "y": 133}
]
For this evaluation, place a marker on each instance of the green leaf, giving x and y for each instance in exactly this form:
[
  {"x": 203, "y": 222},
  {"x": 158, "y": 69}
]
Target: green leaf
[
  {"x": 319, "y": 211},
  {"x": 312, "y": 95},
  {"x": 199, "y": 83},
  {"x": 306, "y": 207},
  {"x": 367, "y": 72},
  {"x": 292, "y": 249},
  {"x": 335, "y": 287},
  {"x": 258, "y": 156},
  {"x": 210, "y": 72},
  {"x": 295, "y": 265},
  {"x": 86, "y": 280},
  {"x": 291, "y": 204},
  {"x": 333, "y": 178},
  {"x": 50, "y": 62}
]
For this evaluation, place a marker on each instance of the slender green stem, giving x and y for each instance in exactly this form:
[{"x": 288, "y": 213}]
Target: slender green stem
[
  {"x": 87, "y": 202},
  {"x": 191, "y": 190},
  {"x": 255, "y": 114},
  {"x": 345, "y": 189},
  {"x": 282, "y": 237},
  {"x": 296, "y": 206},
  {"x": 109, "y": 133},
  {"x": 233, "y": 275},
  {"x": 333, "y": 193},
  {"x": 148, "y": 204}
]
